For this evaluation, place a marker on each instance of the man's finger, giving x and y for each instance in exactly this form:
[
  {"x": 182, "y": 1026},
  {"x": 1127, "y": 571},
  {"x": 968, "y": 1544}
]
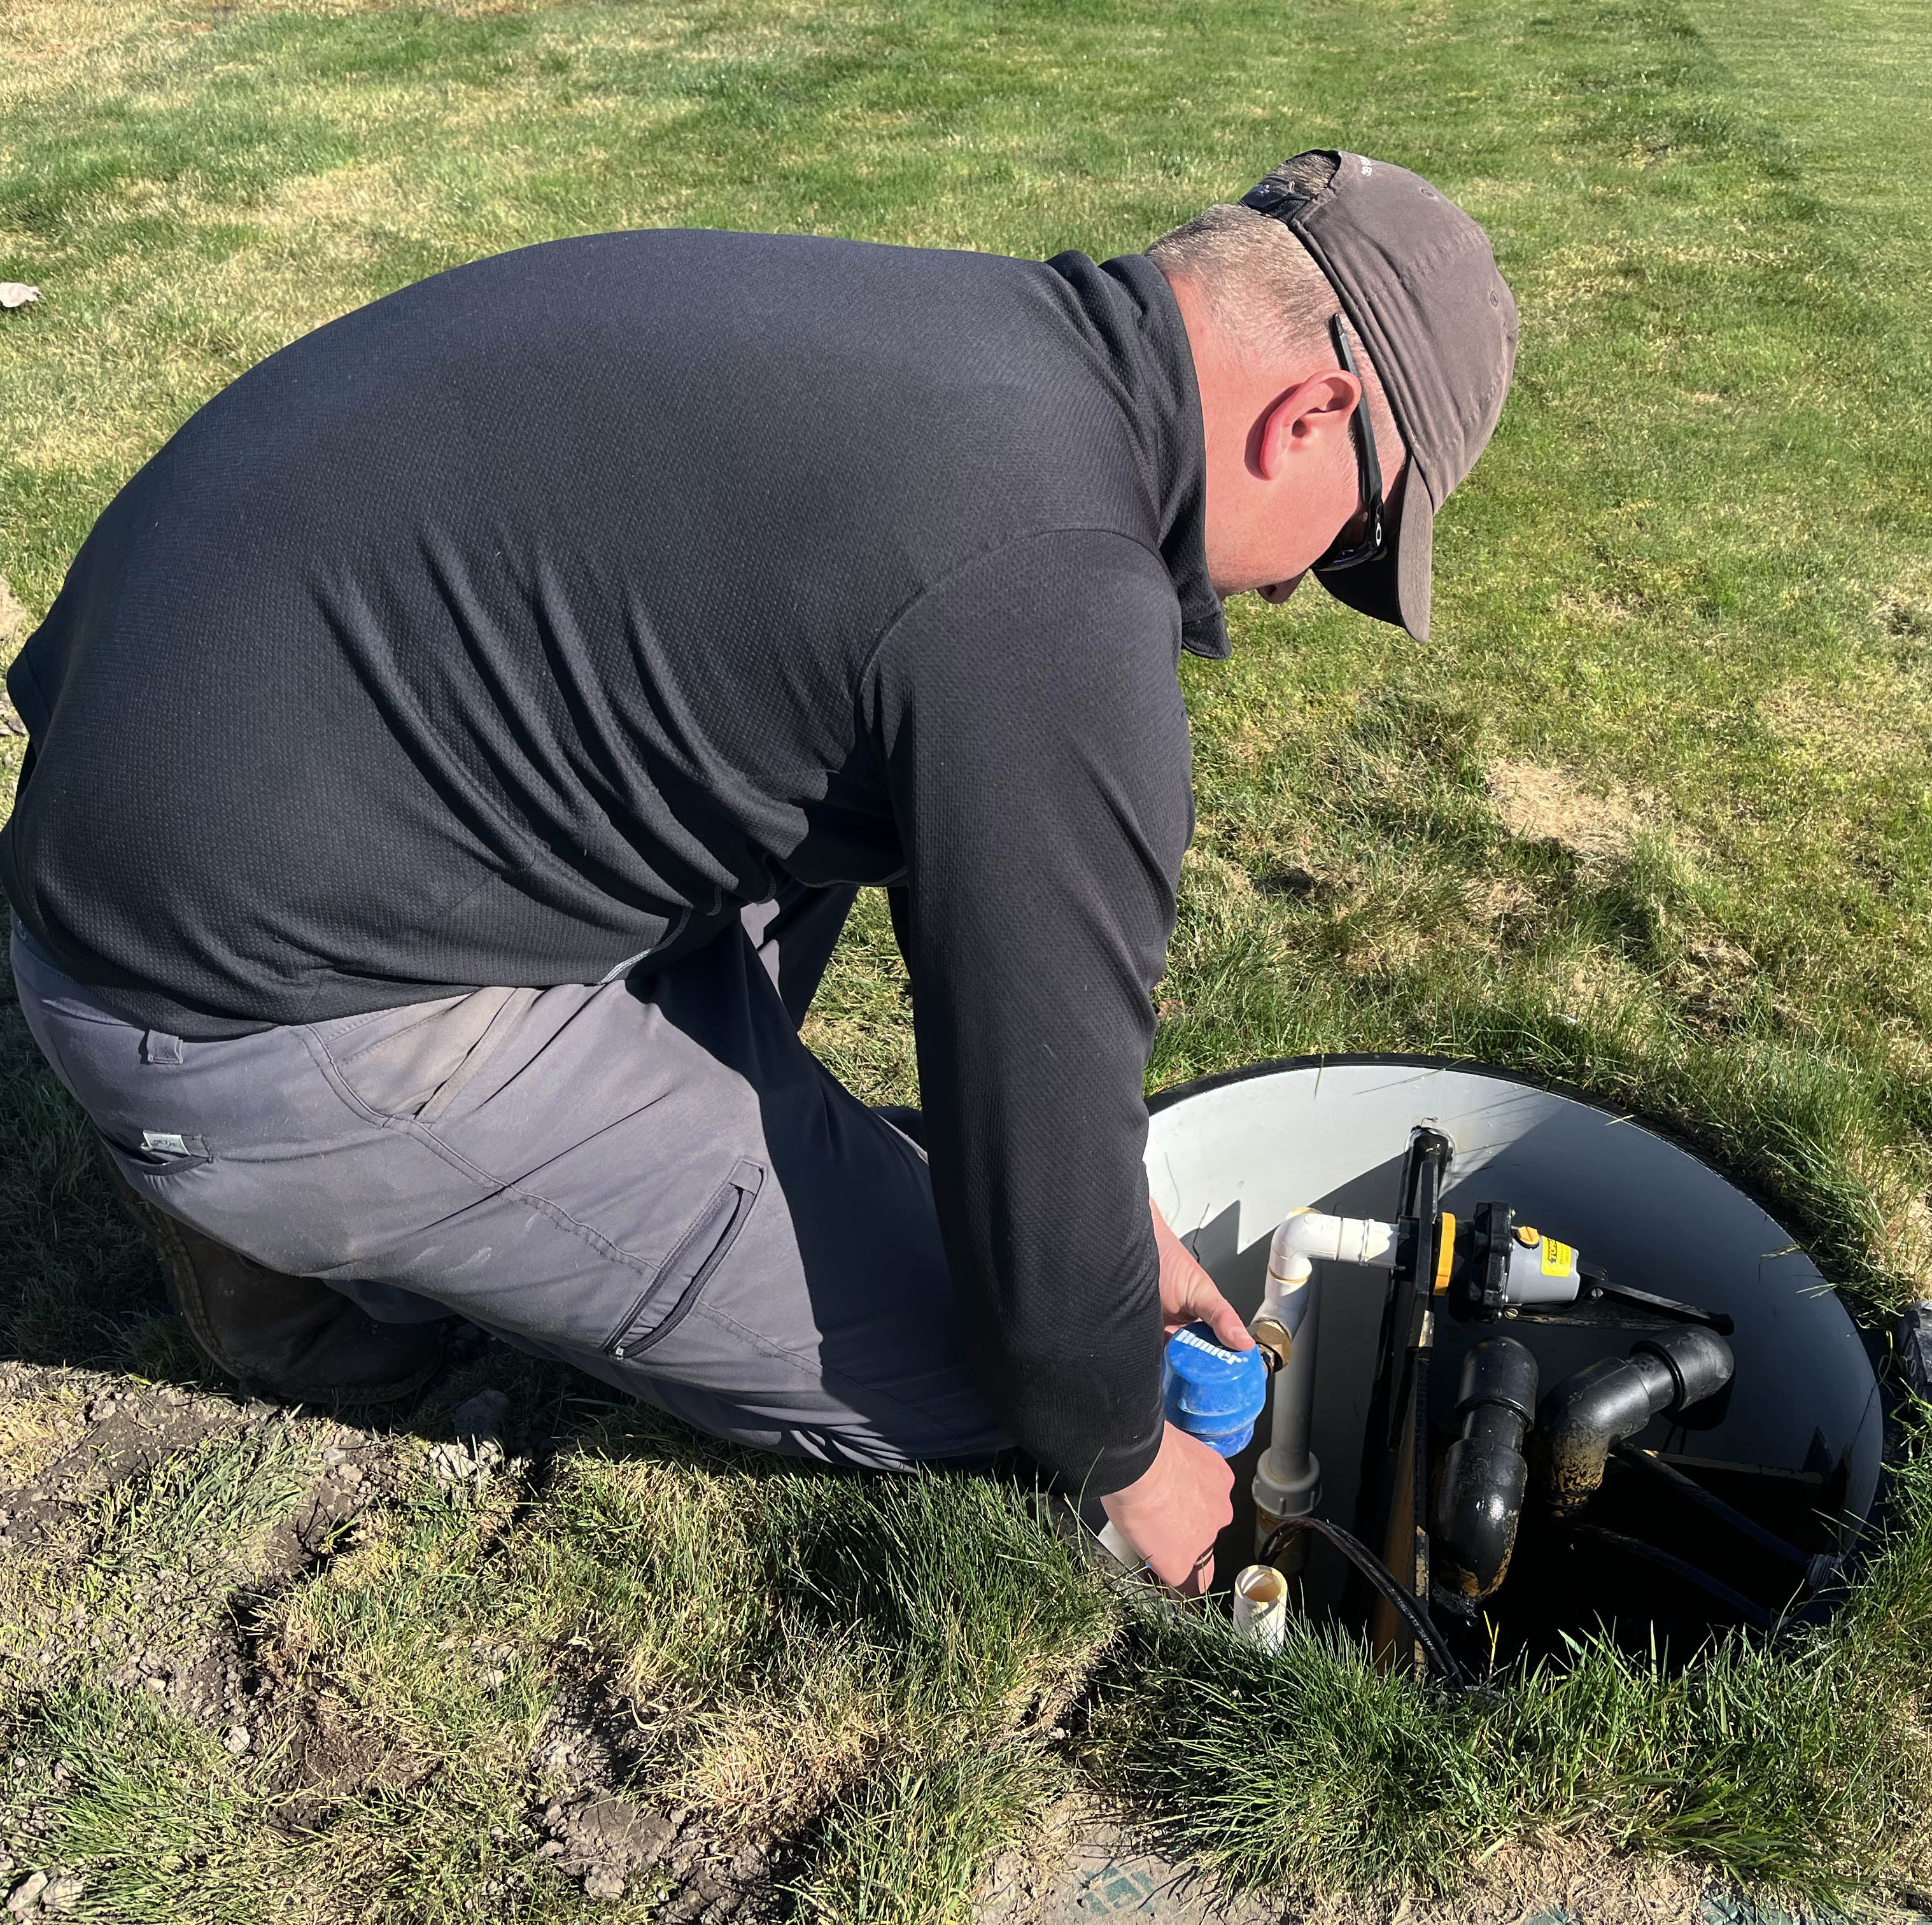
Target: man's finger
[
  {"x": 1190, "y": 1295},
  {"x": 1225, "y": 1321}
]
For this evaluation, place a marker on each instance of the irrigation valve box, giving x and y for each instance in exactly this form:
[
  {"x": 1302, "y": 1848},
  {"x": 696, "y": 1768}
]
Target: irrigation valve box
[{"x": 1475, "y": 1462}]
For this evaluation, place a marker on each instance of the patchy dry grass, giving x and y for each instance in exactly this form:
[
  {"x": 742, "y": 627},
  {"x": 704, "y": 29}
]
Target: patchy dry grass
[
  {"x": 1551, "y": 805},
  {"x": 1649, "y": 815},
  {"x": 616, "y": 1661},
  {"x": 39, "y": 1422}
]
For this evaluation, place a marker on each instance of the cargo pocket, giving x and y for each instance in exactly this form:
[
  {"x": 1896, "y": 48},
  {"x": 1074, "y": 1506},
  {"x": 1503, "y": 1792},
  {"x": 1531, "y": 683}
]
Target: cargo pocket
[{"x": 681, "y": 1278}]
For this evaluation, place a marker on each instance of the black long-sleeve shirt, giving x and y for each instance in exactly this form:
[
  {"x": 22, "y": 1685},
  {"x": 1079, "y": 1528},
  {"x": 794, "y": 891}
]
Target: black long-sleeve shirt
[{"x": 545, "y": 613}]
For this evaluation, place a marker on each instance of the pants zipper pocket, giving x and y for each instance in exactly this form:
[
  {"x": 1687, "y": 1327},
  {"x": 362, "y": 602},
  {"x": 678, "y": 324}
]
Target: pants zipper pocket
[{"x": 680, "y": 1281}]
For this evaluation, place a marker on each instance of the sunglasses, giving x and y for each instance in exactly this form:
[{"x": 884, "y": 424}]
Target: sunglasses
[{"x": 1369, "y": 483}]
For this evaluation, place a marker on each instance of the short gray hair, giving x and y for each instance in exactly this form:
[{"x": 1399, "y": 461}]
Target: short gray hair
[{"x": 1263, "y": 287}]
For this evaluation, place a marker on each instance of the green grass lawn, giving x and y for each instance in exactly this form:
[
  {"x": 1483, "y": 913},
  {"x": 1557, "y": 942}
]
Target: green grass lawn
[{"x": 1650, "y": 814}]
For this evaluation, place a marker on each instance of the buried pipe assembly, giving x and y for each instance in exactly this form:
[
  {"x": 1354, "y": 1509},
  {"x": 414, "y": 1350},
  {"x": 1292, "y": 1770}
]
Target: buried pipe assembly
[{"x": 1670, "y": 1482}]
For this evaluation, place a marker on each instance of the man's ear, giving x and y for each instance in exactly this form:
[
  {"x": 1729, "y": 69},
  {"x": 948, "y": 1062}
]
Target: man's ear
[{"x": 1301, "y": 421}]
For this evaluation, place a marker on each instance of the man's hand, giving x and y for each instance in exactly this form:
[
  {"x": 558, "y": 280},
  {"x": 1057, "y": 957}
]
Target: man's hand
[
  {"x": 1173, "y": 1511},
  {"x": 1188, "y": 1294}
]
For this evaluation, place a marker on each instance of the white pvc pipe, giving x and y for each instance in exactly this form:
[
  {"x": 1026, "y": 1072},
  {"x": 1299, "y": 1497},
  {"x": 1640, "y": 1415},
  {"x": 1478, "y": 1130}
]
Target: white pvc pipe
[
  {"x": 1261, "y": 1606},
  {"x": 1287, "y": 1479},
  {"x": 1231, "y": 1160}
]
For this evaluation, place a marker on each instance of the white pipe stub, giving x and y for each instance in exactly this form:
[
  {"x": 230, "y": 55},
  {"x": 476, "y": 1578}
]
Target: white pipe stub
[{"x": 1261, "y": 1606}]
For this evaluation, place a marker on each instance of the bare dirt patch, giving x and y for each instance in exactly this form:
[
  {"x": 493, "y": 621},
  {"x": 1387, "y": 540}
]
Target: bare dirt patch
[
  {"x": 172, "y": 1620},
  {"x": 600, "y": 1829},
  {"x": 43, "y": 1416},
  {"x": 91, "y": 1432},
  {"x": 324, "y": 1753},
  {"x": 1536, "y": 804},
  {"x": 618, "y": 1847},
  {"x": 1087, "y": 1864}
]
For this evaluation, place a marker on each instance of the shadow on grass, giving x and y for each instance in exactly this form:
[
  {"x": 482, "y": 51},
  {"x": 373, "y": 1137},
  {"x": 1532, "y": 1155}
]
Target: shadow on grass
[{"x": 79, "y": 1284}]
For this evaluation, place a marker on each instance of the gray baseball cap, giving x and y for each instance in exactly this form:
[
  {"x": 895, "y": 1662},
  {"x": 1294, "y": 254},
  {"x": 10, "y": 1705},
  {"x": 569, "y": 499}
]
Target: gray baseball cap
[{"x": 1416, "y": 280}]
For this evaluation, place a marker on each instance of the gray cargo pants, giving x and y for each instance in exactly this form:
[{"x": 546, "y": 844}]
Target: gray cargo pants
[{"x": 653, "y": 1179}]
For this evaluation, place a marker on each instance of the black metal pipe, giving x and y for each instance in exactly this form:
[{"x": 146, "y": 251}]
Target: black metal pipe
[
  {"x": 1735, "y": 1601},
  {"x": 1689, "y": 1487}
]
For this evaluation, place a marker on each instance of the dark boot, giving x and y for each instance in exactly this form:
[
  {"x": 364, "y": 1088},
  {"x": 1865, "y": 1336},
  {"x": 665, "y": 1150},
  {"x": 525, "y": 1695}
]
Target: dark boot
[{"x": 289, "y": 1338}]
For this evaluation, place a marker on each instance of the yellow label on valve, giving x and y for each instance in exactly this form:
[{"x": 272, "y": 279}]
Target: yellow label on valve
[{"x": 1558, "y": 1258}]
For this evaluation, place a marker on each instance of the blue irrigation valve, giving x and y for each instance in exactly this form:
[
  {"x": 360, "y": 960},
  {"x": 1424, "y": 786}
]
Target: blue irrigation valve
[{"x": 1211, "y": 1392}]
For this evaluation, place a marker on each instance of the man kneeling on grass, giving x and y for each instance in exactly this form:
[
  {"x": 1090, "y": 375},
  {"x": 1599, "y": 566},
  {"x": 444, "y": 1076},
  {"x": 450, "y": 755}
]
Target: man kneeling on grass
[{"x": 454, "y": 754}]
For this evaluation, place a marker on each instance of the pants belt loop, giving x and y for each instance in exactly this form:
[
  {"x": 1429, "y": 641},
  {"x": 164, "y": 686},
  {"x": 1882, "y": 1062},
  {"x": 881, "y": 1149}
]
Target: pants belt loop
[{"x": 157, "y": 1046}]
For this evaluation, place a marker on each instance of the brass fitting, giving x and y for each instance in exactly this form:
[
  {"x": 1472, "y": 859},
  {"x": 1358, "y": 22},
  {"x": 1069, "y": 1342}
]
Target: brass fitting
[{"x": 1273, "y": 1341}]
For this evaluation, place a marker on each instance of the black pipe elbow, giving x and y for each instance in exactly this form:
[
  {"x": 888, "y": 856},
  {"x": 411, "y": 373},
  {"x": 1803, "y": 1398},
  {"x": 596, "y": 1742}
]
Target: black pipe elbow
[
  {"x": 1485, "y": 1475},
  {"x": 1612, "y": 1399}
]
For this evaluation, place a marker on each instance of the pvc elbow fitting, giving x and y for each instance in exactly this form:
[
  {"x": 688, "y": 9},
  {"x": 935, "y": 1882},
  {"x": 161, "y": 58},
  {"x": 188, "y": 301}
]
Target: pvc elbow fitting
[{"x": 1310, "y": 1234}]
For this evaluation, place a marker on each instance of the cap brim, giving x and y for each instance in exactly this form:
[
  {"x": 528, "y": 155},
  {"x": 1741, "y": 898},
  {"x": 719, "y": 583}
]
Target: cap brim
[{"x": 1396, "y": 589}]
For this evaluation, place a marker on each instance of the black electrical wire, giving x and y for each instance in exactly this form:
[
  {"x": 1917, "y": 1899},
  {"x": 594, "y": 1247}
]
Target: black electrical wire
[{"x": 1378, "y": 1574}]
